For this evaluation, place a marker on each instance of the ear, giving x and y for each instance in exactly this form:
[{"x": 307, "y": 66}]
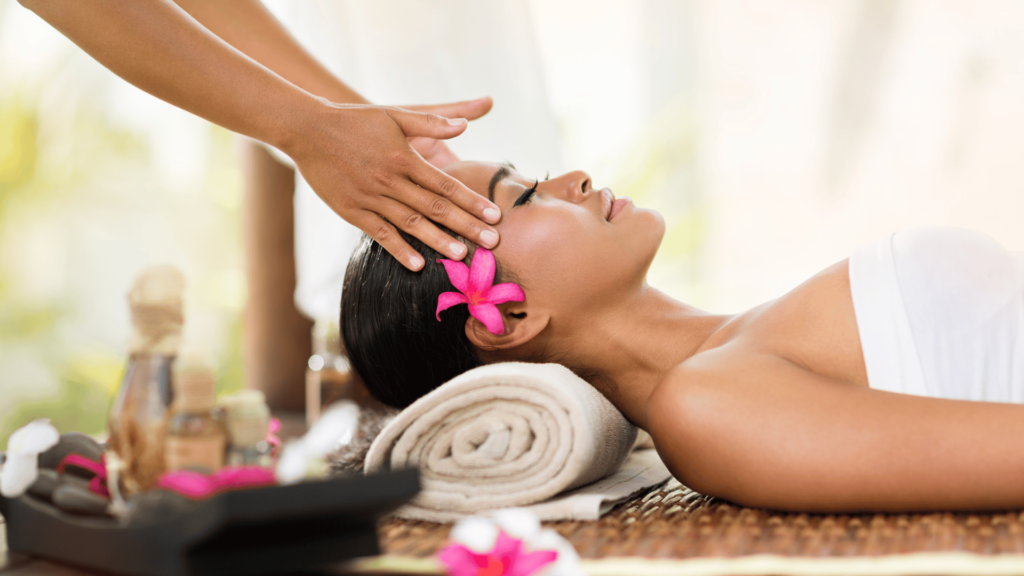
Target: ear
[{"x": 521, "y": 326}]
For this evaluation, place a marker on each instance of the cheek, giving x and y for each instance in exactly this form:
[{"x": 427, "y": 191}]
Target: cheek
[
  {"x": 539, "y": 251},
  {"x": 565, "y": 262}
]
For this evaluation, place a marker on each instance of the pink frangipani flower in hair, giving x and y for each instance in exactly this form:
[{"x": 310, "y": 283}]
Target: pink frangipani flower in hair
[{"x": 475, "y": 287}]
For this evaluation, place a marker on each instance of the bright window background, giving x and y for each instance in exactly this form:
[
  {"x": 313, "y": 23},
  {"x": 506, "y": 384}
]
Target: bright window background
[{"x": 774, "y": 136}]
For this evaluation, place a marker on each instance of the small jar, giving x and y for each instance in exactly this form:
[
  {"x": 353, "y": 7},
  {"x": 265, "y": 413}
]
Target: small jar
[
  {"x": 247, "y": 418},
  {"x": 196, "y": 439}
]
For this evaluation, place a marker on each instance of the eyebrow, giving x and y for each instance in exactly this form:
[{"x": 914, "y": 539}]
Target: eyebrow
[{"x": 500, "y": 175}]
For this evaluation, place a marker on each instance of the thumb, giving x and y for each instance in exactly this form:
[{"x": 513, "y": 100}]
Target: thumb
[
  {"x": 468, "y": 109},
  {"x": 429, "y": 125}
]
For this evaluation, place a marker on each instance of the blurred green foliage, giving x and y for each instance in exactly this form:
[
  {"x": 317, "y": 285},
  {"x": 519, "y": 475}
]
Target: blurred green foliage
[
  {"x": 83, "y": 395},
  {"x": 83, "y": 206},
  {"x": 18, "y": 130},
  {"x": 80, "y": 405}
]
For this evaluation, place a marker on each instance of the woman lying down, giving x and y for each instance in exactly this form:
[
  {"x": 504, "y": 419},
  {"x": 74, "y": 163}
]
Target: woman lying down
[{"x": 858, "y": 390}]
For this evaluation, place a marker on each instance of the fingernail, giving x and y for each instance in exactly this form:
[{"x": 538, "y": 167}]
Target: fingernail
[
  {"x": 415, "y": 262},
  {"x": 489, "y": 238},
  {"x": 456, "y": 121},
  {"x": 457, "y": 249},
  {"x": 492, "y": 214}
]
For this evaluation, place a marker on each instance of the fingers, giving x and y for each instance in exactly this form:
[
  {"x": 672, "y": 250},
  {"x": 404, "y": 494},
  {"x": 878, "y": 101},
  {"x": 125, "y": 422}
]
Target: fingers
[
  {"x": 415, "y": 222},
  {"x": 468, "y": 109},
  {"x": 416, "y": 209},
  {"x": 456, "y": 193},
  {"x": 413, "y": 214},
  {"x": 388, "y": 237},
  {"x": 433, "y": 151},
  {"x": 423, "y": 124}
]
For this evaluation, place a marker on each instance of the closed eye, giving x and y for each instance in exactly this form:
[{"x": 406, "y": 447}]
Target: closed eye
[{"x": 526, "y": 195}]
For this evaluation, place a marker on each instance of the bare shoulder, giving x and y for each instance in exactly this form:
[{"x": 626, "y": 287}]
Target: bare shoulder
[
  {"x": 813, "y": 326},
  {"x": 711, "y": 405}
]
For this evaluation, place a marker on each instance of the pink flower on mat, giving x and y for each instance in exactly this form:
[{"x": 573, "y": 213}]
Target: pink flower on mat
[
  {"x": 475, "y": 287},
  {"x": 505, "y": 559}
]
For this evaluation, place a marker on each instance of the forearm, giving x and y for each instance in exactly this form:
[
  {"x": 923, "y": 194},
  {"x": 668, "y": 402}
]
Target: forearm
[
  {"x": 159, "y": 48},
  {"x": 251, "y": 28},
  {"x": 362, "y": 160}
]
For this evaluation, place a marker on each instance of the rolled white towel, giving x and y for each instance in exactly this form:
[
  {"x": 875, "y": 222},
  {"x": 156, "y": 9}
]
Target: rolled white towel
[{"x": 502, "y": 435}]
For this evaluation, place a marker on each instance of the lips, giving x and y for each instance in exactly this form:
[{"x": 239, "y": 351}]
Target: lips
[
  {"x": 617, "y": 207},
  {"x": 612, "y": 206}
]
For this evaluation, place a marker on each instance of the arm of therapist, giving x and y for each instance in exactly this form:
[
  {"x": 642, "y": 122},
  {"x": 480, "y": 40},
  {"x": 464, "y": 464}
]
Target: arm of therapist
[
  {"x": 356, "y": 156},
  {"x": 251, "y": 28}
]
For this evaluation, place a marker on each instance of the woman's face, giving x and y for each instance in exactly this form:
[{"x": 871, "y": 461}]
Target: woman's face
[{"x": 573, "y": 247}]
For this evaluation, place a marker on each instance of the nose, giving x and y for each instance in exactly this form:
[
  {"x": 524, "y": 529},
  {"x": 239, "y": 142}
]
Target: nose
[{"x": 573, "y": 186}]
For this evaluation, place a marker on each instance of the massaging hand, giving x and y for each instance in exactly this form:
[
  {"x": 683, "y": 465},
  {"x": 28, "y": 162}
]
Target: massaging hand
[
  {"x": 235, "y": 65},
  {"x": 435, "y": 151},
  {"x": 377, "y": 167}
]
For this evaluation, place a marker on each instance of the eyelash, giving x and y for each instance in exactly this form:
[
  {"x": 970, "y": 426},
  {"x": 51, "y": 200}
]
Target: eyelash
[{"x": 528, "y": 195}]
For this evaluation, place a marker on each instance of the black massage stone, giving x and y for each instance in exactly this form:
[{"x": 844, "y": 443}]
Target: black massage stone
[
  {"x": 72, "y": 442},
  {"x": 45, "y": 484},
  {"x": 77, "y": 500},
  {"x": 157, "y": 505}
]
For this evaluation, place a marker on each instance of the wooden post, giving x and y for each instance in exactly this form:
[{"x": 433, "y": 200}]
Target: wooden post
[{"x": 276, "y": 337}]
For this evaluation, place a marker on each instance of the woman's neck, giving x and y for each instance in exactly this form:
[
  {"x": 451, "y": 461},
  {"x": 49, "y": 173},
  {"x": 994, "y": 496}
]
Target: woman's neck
[{"x": 633, "y": 344}]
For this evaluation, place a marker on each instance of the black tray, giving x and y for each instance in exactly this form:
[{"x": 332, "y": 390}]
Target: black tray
[{"x": 260, "y": 530}]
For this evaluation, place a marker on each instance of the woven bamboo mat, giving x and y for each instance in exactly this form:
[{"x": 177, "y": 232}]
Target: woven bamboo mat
[
  {"x": 673, "y": 530},
  {"x": 674, "y": 523}
]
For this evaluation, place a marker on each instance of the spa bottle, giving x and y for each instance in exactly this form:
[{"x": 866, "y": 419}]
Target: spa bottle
[
  {"x": 138, "y": 418},
  {"x": 195, "y": 436},
  {"x": 329, "y": 377},
  {"x": 247, "y": 418}
]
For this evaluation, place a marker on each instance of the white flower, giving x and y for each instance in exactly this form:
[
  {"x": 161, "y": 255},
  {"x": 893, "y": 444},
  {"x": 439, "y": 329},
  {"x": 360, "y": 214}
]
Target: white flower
[
  {"x": 476, "y": 533},
  {"x": 335, "y": 428},
  {"x": 304, "y": 458},
  {"x": 23, "y": 449},
  {"x": 479, "y": 533}
]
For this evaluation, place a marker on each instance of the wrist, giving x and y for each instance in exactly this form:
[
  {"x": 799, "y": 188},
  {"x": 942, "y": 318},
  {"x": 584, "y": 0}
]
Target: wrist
[{"x": 297, "y": 124}]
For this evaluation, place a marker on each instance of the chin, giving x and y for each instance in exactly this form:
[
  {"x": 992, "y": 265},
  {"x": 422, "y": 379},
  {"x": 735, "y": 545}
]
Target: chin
[
  {"x": 653, "y": 225},
  {"x": 650, "y": 231},
  {"x": 657, "y": 221}
]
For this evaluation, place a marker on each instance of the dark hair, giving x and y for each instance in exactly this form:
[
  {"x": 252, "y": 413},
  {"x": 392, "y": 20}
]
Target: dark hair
[{"x": 388, "y": 324}]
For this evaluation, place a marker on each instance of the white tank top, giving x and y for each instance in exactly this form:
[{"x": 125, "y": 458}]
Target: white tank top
[{"x": 940, "y": 313}]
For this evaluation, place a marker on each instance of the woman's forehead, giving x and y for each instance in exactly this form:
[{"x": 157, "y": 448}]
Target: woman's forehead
[{"x": 478, "y": 175}]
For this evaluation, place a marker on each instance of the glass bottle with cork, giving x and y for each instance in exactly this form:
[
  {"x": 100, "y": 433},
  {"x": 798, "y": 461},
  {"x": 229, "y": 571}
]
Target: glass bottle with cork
[
  {"x": 138, "y": 417},
  {"x": 196, "y": 438},
  {"x": 329, "y": 377}
]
